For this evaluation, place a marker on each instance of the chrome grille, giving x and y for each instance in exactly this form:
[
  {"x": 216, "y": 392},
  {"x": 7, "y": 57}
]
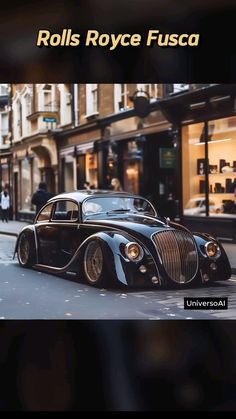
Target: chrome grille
[{"x": 178, "y": 253}]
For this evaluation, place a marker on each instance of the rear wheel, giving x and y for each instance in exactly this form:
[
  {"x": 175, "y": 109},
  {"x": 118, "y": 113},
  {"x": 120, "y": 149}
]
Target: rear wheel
[{"x": 25, "y": 250}]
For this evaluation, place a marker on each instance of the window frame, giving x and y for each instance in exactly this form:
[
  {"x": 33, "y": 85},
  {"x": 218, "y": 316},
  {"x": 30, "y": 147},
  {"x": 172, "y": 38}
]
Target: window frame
[
  {"x": 70, "y": 221},
  {"x": 37, "y": 221},
  {"x": 92, "y": 94}
]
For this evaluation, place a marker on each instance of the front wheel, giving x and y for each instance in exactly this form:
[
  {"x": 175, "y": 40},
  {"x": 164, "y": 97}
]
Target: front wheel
[
  {"x": 25, "y": 250},
  {"x": 94, "y": 264}
]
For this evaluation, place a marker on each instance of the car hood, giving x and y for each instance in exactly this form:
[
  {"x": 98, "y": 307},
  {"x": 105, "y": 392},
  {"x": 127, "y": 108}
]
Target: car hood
[{"x": 140, "y": 224}]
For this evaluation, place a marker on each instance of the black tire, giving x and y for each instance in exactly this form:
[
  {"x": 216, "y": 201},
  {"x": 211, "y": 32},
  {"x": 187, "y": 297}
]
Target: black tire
[
  {"x": 26, "y": 250},
  {"x": 94, "y": 264}
]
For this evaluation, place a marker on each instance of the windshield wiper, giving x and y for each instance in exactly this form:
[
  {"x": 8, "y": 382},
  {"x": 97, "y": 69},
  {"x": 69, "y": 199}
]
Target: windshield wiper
[{"x": 118, "y": 210}]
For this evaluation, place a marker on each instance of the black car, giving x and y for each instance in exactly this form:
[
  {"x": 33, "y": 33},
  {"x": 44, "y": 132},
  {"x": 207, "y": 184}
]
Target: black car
[{"x": 107, "y": 237}]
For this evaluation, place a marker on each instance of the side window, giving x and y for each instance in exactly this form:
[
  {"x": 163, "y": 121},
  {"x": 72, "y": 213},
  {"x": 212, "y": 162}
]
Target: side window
[
  {"x": 65, "y": 210},
  {"x": 45, "y": 214}
]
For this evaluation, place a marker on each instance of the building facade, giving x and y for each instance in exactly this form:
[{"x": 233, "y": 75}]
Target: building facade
[
  {"x": 179, "y": 153},
  {"x": 5, "y": 138},
  {"x": 38, "y": 111}
]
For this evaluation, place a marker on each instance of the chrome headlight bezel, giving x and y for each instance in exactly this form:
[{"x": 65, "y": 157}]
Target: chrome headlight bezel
[
  {"x": 140, "y": 252},
  {"x": 217, "y": 252}
]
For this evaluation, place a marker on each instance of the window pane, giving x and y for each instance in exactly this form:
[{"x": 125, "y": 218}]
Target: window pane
[
  {"x": 104, "y": 206},
  {"x": 26, "y": 182},
  {"x": 222, "y": 166},
  {"x": 193, "y": 163},
  {"x": 65, "y": 210},
  {"x": 45, "y": 214}
]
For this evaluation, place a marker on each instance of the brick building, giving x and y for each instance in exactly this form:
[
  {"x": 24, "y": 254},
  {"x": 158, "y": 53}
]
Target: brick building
[{"x": 179, "y": 153}]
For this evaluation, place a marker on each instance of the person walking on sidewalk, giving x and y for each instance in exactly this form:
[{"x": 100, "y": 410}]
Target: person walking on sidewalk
[
  {"x": 5, "y": 205},
  {"x": 41, "y": 196},
  {"x": 116, "y": 185}
]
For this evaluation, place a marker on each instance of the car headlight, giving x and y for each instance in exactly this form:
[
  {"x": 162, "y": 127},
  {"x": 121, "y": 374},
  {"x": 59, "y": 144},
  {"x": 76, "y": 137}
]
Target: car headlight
[
  {"x": 134, "y": 252},
  {"x": 212, "y": 250}
]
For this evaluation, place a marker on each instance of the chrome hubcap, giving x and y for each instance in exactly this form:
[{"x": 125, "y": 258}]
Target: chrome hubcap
[{"x": 93, "y": 261}]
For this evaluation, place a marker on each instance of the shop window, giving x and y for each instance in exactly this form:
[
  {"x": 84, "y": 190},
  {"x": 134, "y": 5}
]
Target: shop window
[
  {"x": 26, "y": 182},
  {"x": 194, "y": 183},
  {"x": 209, "y": 168},
  {"x": 91, "y": 169},
  {"x": 131, "y": 183},
  {"x": 132, "y": 167},
  {"x": 222, "y": 166},
  {"x": 4, "y": 172},
  {"x": 36, "y": 173},
  {"x": 69, "y": 175}
]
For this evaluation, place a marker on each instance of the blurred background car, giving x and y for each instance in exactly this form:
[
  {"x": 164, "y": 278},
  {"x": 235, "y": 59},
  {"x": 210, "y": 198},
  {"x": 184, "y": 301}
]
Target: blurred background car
[{"x": 197, "y": 206}]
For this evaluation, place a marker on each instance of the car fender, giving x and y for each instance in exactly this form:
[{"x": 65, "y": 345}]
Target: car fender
[
  {"x": 222, "y": 262},
  {"x": 111, "y": 244},
  {"x": 31, "y": 230}
]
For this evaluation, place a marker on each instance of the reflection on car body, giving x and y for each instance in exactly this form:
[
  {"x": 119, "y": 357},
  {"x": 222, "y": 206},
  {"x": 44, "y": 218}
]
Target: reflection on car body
[{"x": 106, "y": 237}]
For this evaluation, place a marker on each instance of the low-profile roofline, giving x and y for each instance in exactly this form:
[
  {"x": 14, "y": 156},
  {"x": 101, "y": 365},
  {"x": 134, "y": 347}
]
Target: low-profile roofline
[{"x": 81, "y": 195}]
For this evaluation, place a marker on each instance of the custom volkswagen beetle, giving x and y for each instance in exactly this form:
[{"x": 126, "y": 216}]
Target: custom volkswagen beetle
[{"x": 106, "y": 237}]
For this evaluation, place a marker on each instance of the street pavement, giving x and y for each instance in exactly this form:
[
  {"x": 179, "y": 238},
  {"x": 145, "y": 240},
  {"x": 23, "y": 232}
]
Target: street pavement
[
  {"x": 14, "y": 227},
  {"x": 30, "y": 294}
]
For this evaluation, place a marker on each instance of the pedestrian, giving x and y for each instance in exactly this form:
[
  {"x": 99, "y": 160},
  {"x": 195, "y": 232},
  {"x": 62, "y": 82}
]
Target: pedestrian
[
  {"x": 87, "y": 186},
  {"x": 116, "y": 185},
  {"x": 5, "y": 205},
  {"x": 41, "y": 196}
]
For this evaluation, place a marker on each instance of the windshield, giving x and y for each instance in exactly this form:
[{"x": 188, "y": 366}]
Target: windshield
[{"x": 116, "y": 205}]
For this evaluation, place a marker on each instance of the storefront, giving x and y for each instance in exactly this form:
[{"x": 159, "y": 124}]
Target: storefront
[
  {"x": 146, "y": 165},
  {"x": 209, "y": 175},
  {"x": 142, "y": 154},
  {"x": 32, "y": 163},
  {"x": 206, "y": 122},
  {"x": 26, "y": 178}
]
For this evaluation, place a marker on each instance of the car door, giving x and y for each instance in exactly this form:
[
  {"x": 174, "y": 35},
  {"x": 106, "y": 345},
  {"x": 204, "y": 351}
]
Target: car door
[
  {"x": 46, "y": 236},
  {"x": 57, "y": 230},
  {"x": 65, "y": 225}
]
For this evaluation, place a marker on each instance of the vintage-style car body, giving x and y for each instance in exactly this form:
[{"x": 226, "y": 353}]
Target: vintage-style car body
[{"x": 107, "y": 237}]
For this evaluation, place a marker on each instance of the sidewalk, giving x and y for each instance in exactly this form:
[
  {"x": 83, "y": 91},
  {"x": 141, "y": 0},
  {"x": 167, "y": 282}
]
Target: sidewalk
[{"x": 14, "y": 227}]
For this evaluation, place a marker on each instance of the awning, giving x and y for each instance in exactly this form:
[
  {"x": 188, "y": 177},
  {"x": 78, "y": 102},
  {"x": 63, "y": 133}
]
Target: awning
[
  {"x": 75, "y": 150},
  {"x": 85, "y": 148},
  {"x": 214, "y": 101}
]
